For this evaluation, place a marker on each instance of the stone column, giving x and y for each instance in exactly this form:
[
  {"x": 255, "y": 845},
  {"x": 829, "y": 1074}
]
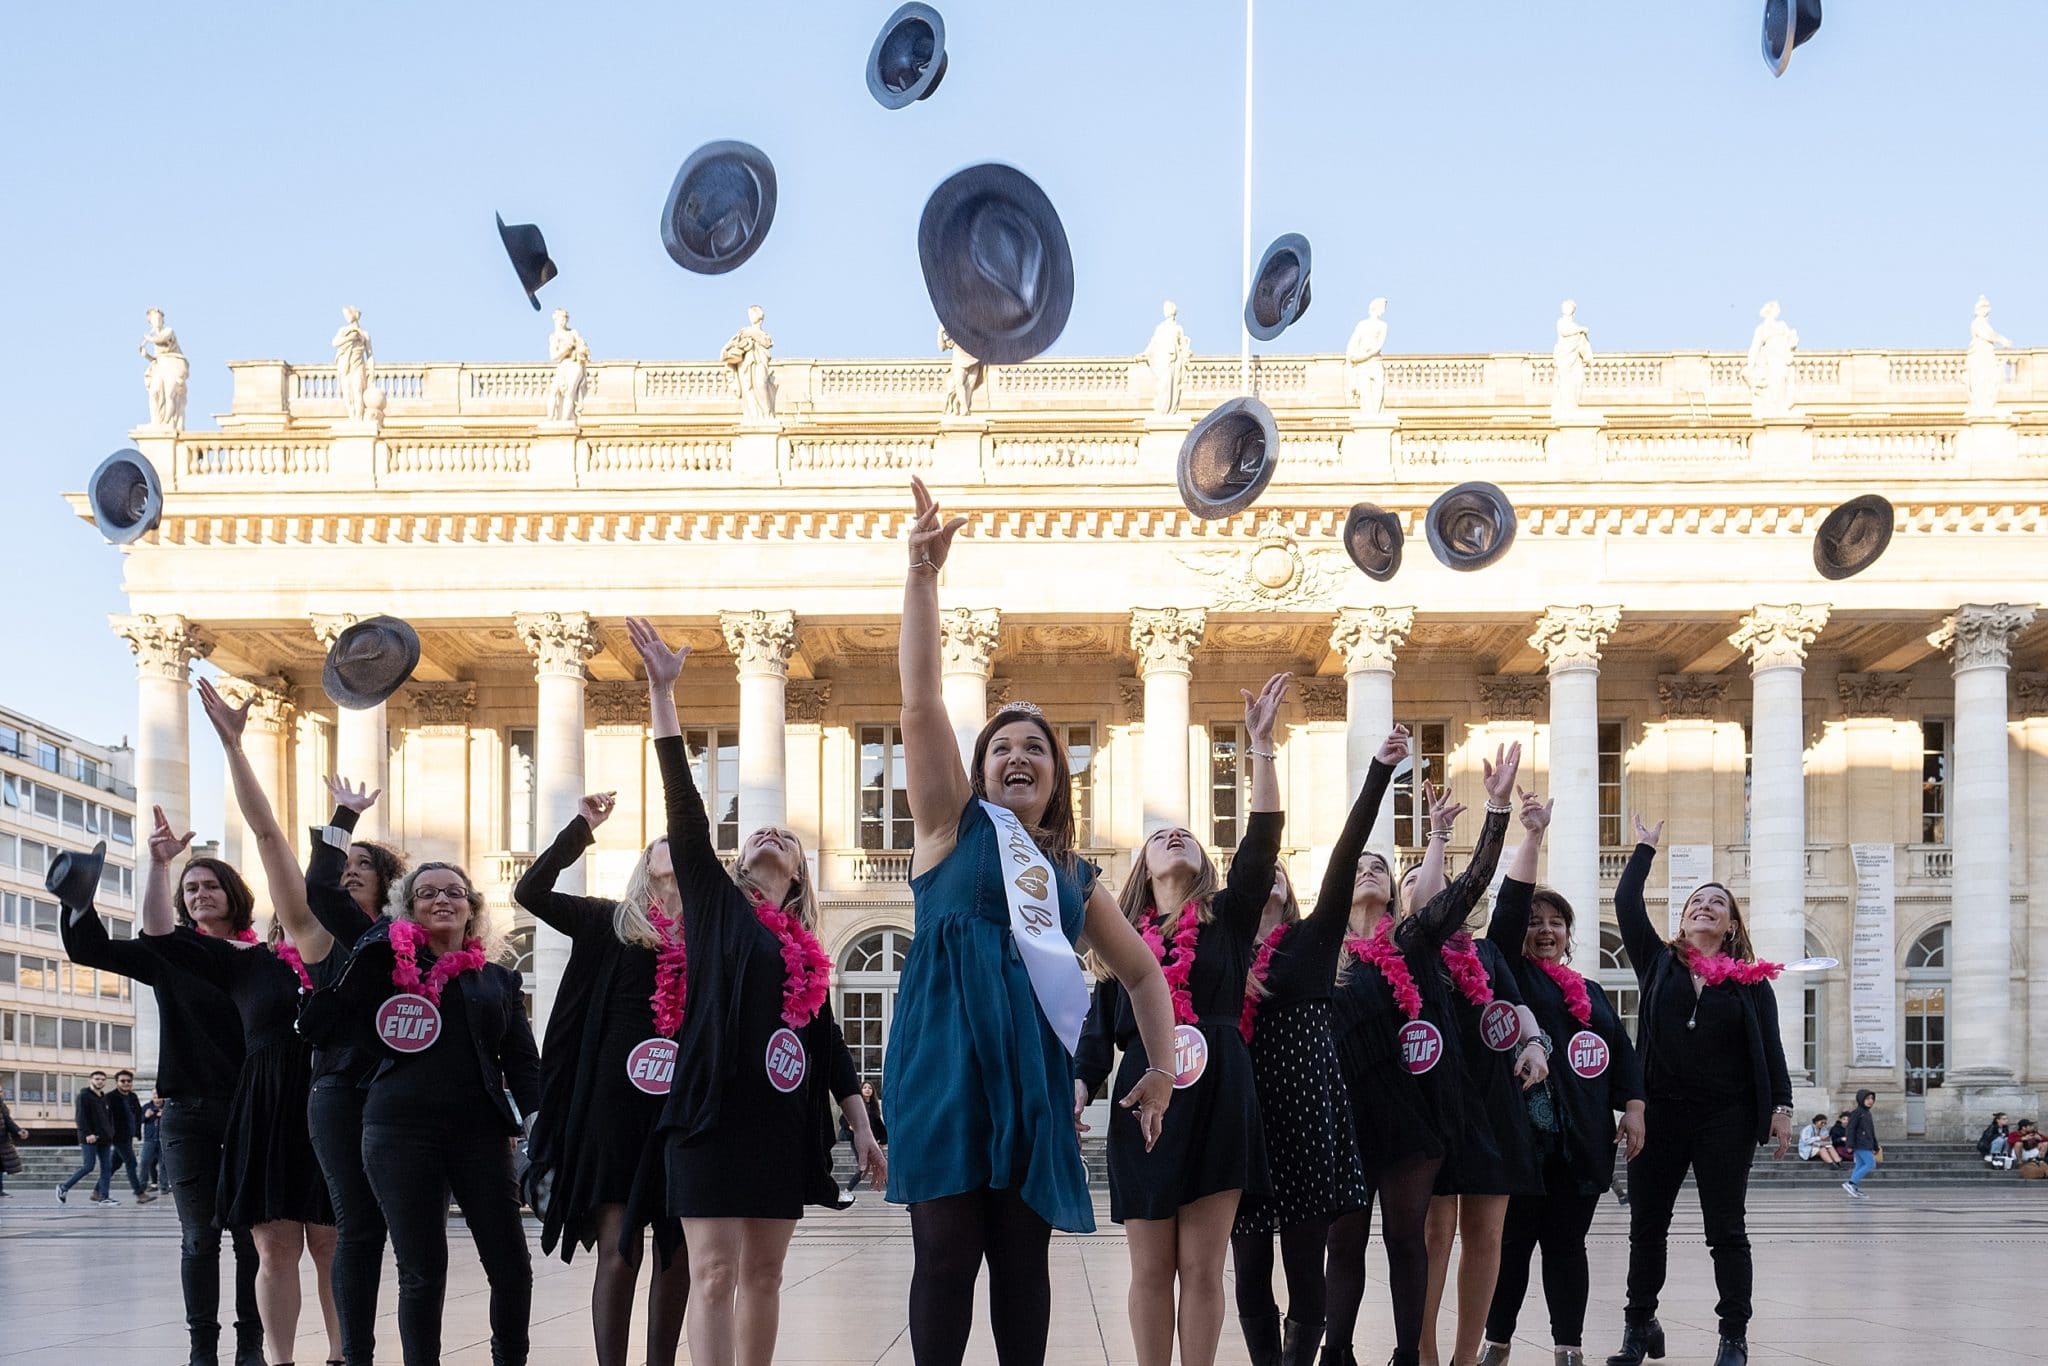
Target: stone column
[
  {"x": 1164, "y": 639},
  {"x": 362, "y": 741},
  {"x": 1368, "y": 638},
  {"x": 967, "y": 645},
  {"x": 263, "y": 744},
  {"x": 1982, "y": 1022},
  {"x": 1775, "y": 639},
  {"x": 762, "y": 643},
  {"x": 164, "y": 647},
  {"x": 561, "y": 644},
  {"x": 2030, "y": 698},
  {"x": 1570, "y": 638}
]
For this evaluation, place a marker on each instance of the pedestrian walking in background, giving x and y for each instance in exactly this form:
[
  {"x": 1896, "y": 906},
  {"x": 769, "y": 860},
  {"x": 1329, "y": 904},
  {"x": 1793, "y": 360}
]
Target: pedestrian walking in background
[
  {"x": 126, "y": 1108},
  {"x": 152, "y": 1144},
  {"x": 10, "y": 1134},
  {"x": 95, "y": 1123},
  {"x": 1862, "y": 1142}
]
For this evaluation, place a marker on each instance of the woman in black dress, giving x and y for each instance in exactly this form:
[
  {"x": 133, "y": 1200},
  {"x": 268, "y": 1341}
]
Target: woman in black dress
[
  {"x": 270, "y": 1182},
  {"x": 1714, "y": 1074},
  {"x": 323, "y": 911},
  {"x": 425, "y": 994},
  {"x": 746, "y": 1133},
  {"x": 607, "y": 1063},
  {"x": 1571, "y": 1116},
  {"x": 1397, "y": 1038},
  {"x": 1311, "y": 1142},
  {"x": 1178, "y": 1196}
]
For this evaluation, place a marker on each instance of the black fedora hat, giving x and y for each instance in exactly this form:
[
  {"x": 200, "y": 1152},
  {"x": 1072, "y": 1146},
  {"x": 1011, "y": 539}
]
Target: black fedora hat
[
  {"x": 1279, "y": 287},
  {"x": 529, "y": 253},
  {"x": 1787, "y": 24},
  {"x": 127, "y": 498},
  {"x": 1471, "y": 526},
  {"x": 908, "y": 59},
  {"x": 74, "y": 878},
  {"x": 1372, "y": 537},
  {"x": 1852, "y": 537},
  {"x": 1228, "y": 458},
  {"x": 719, "y": 208},
  {"x": 369, "y": 661},
  {"x": 996, "y": 263}
]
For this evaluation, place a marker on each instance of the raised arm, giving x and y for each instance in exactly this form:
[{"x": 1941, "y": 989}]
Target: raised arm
[
  {"x": 572, "y": 915},
  {"x": 934, "y": 780},
  {"x": 281, "y": 875},
  {"x": 1445, "y": 914},
  {"x": 1333, "y": 902},
  {"x": 1251, "y": 870},
  {"x": 1117, "y": 944},
  {"x": 1638, "y": 935},
  {"x": 1443, "y": 818},
  {"x": 158, "y": 917},
  {"x": 1510, "y": 923},
  {"x": 196, "y": 955},
  {"x": 330, "y": 902},
  {"x": 701, "y": 880}
]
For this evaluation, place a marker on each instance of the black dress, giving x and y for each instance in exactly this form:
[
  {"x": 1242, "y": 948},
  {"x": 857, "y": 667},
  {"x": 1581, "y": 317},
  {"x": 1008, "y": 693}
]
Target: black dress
[
  {"x": 1311, "y": 1143},
  {"x": 595, "y": 1125},
  {"x": 267, "y": 1170},
  {"x": 1494, "y": 1153},
  {"x": 746, "y": 1128},
  {"x": 1211, "y": 1139}
]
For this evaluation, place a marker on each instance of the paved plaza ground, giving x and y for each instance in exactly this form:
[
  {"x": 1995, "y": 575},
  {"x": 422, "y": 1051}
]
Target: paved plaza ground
[{"x": 1906, "y": 1278}]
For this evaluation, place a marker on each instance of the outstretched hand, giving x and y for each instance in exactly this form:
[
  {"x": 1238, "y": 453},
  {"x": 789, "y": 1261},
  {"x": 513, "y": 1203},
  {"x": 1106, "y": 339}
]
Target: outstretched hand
[
  {"x": 1648, "y": 834},
  {"x": 595, "y": 806},
  {"x": 228, "y": 721},
  {"x": 165, "y": 844},
  {"x": 1443, "y": 812},
  {"x": 1394, "y": 748},
  {"x": 1535, "y": 813},
  {"x": 931, "y": 539},
  {"x": 355, "y": 798},
  {"x": 1500, "y": 773},
  {"x": 1262, "y": 710},
  {"x": 664, "y": 666}
]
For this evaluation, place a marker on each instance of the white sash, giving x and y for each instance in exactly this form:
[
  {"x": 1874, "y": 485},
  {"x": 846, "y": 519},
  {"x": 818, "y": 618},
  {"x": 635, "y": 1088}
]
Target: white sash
[{"x": 1033, "y": 895}]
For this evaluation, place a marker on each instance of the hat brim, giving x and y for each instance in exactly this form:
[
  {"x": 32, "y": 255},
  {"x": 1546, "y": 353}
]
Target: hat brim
[
  {"x": 965, "y": 300},
  {"x": 1495, "y": 501},
  {"x": 934, "y": 70},
  {"x": 1237, "y": 412},
  {"x": 400, "y": 637},
  {"x": 114, "y": 523},
  {"x": 757, "y": 164},
  {"x": 1837, "y": 523},
  {"x": 1293, "y": 245},
  {"x": 533, "y": 281},
  {"x": 1362, "y": 515},
  {"x": 73, "y": 876}
]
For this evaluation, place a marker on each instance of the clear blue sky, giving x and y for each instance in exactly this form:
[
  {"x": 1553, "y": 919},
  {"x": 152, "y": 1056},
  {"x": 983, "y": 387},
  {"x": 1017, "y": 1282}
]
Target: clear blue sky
[{"x": 252, "y": 167}]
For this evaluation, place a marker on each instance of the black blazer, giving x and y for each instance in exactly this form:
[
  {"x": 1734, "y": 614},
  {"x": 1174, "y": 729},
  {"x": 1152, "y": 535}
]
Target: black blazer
[{"x": 93, "y": 1117}]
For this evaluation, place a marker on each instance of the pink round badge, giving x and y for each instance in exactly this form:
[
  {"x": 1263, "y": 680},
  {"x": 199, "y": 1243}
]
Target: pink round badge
[
  {"x": 1587, "y": 1054},
  {"x": 651, "y": 1066},
  {"x": 1190, "y": 1056},
  {"x": 1422, "y": 1046},
  {"x": 1499, "y": 1027},
  {"x": 408, "y": 1023},
  {"x": 786, "y": 1062}
]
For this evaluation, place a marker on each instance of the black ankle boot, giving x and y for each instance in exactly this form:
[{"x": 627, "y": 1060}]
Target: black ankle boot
[
  {"x": 1639, "y": 1340},
  {"x": 1337, "y": 1355},
  {"x": 1298, "y": 1343},
  {"x": 205, "y": 1346},
  {"x": 1261, "y": 1337},
  {"x": 248, "y": 1347},
  {"x": 1733, "y": 1352},
  {"x": 1411, "y": 1357}
]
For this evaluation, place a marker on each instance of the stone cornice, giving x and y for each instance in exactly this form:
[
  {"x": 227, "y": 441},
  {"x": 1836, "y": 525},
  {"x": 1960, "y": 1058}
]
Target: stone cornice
[
  {"x": 1692, "y": 697},
  {"x": 1164, "y": 638},
  {"x": 164, "y": 645},
  {"x": 1571, "y": 637},
  {"x": 1980, "y": 636},
  {"x": 1871, "y": 696},
  {"x": 1777, "y": 637}
]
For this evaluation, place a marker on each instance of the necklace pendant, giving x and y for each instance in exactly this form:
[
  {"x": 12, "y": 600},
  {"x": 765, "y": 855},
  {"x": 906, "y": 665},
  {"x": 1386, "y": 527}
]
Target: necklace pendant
[{"x": 1693, "y": 1021}]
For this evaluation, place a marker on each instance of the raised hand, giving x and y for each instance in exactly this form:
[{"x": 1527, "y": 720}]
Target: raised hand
[
  {"x": 1649, "y": 835},
  {"x": 1394, "y": 748},
  {"x": 1443, "y": 812},
  {"x": 1261, "y": 711},
  {"x": 357, "y": 798},
  {"x": 228, "y": 722},
  {"x": 931, "y": 539},
  {"x": 165, "y": 844},
  {"x": 1535, "y": 813},
  {"x": 1500, "y": 773},
  {"x": 664, "y": 666},
  {"x": 595, "y": 806},
  {"x": 1150, "y": 1098}
]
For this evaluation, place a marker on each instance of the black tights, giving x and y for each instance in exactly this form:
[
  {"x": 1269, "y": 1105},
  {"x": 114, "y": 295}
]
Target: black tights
[
  {"x": 619, "y": 1255},
  {"x": 1403, "y": 1190},
  {"x": 1557, "y": 1224},
  {"x": 950, "y": 1237},
  {"x": 1301, "y": 1257}
]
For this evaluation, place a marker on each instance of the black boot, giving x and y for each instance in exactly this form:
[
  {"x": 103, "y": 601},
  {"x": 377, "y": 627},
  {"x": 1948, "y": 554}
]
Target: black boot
[
  {"x": 1639, "y": 1340},
  {"x": 1261, "y": 1337},
  {"x": 1335, "y": 1355},
  {"x": 206, "y": 1346},
  {"x": 248, "y": 1347},
  {"x": 1411, "y": 1357},
  {"x": 1734, "y": 1352},
  {"x": 1298, "y": 1343}
]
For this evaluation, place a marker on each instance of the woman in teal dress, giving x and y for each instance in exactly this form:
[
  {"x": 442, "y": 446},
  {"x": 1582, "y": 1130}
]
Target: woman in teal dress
[{"x": 979, "y": 1080}]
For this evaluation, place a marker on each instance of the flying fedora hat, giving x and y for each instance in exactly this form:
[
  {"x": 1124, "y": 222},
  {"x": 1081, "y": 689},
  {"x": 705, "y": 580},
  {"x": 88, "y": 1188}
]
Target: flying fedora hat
[
  {"x": 127, "y": 498},
  {"x": 1852, "y": 537},
  {"x": 908, "y": 59},
  {"x": 719, "y": 208},
  {"x": 1279, "y": 288},
  {"x": 1372, "y": 537},
  {"x": 369, "y": 661},
  {"x": 529, "y": 253},
  {"x": 996, "y": 263},
  {"x": 1471, "y": 526},
  {"x": 1228, "y": 458},
  {"x": 74, "y": 878},
  {"x": 1787, "y": 24}
]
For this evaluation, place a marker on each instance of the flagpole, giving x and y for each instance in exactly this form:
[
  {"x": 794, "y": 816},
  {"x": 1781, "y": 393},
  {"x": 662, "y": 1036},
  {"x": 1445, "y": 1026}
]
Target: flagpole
[{"x": 1244, "y": 345}]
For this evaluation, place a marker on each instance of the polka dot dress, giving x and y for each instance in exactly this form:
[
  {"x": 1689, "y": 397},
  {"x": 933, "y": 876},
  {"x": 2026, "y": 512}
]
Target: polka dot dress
[{"x": 1311, "y": 1148}]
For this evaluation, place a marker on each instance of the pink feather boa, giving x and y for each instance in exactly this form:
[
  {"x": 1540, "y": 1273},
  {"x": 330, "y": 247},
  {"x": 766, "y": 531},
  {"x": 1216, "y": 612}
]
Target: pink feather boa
[
  {"x": 1721, "y": 968},
  {"x": 671, "y": 972},
  {"x": 289, "y": 956},
  {"x": 1180, "y": 965},
  {"x": 1572, "y": 984},
  {"x": 1262, "y": 965},
  {"x": 1380, "y": 952},
  {"x": 1468, "y": 973},
  {"x": 806, "y": 971},
  {"x": 406, "y": 938}
]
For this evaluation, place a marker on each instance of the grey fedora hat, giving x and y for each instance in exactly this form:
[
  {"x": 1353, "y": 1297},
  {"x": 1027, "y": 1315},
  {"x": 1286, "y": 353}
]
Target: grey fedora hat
[
  {"x": 1787, "y": 24},
  {"x": 1228, "y": 458},
  {"x": 1852, "y": 536},
  {"x": 126, "y": 496},
  {"x": 369, "y": 661},
  {"x": 720, "y": 207},
  {"x": 1372, "y": 538},
  {"x": 996, "y": 263},
  {"x": 74, "y": 877},
  {"x": 529, "y": 252},
  {"x": 908, "y": 59},
  {"x": 1471, "y": 526},
  {"x": 1279, "y": 287}
]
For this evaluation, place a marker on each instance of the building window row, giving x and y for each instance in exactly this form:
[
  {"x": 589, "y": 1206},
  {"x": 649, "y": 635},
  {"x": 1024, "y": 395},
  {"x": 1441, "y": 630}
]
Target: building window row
[
  {"x": 16, "y": 743},
  {"x": 31, "y": 972},
  {"x": 25, "y": 1030},
  {"x": 31, "y": 858},
  {"x": 74, "y": 813},
  {"x": 20, "y": 911}
]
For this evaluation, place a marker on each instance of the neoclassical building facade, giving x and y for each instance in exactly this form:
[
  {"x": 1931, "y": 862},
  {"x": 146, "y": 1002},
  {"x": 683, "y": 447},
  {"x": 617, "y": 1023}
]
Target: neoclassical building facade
[{"x": 1865, "y": 762}]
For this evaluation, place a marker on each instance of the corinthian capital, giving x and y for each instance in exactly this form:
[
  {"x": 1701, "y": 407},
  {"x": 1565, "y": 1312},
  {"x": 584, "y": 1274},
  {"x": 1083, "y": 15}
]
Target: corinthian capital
[
  {"x": 1777, "y": 637},
  {"x": 328, "y": 626},
  {"x": 269, "y": 699},
  {"x": 1370, "y": 637},
  {"x": 560, "y": 642},
  {"x": 967, "y": 639},
  {"x": 442, "y": 705},
  {"x": 1980, "y": 636},
  {"x": 1511, "y": 697},
  {"x": 762, "y": 642},
  {"x": 1166, "y": 637},
  {"x": 164, "y": 646},
  {"x": 1571, "y": 637}
]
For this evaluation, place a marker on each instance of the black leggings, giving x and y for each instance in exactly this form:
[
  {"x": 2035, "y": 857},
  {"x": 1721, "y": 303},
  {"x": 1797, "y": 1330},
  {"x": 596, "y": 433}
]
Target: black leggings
[
  {"x": 192, "y": 1132},
  {"x": 413, "y": 1170},
  {"x": 1558, "y": 1224},
  {"x": 1301, "y": 1256},
  {"x": 334, "y": 1116},
  {"x": 1403, "y": 1190},
  {"x": 950, "y": 1237},
  {"x": 1717, "y": 1142}
]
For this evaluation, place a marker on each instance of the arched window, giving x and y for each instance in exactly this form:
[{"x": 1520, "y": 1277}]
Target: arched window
[
  {"x": 868, "y": 973},
  {"x": 1925, "y": 1022},
  {"x": 520, "y": 941},
  {"x": 1618, "y": 978}
]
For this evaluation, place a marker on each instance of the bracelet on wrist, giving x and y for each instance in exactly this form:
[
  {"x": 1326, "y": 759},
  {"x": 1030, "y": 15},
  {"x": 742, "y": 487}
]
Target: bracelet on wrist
[
  {"x": 1160, "y": 1070},
  {"x": 1437, "y": 835},
  {"x": 1261, "y": 754},
  {"x": 1497, "y": 810},
  {"x": 1784, "y": 1110}
]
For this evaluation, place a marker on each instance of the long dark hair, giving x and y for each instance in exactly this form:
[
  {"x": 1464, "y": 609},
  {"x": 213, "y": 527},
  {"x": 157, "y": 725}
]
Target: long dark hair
[
  {"x": 241, "y": 901},
  {"x": 387, "y": 863},
  {"x": 1055, "y": 829}
]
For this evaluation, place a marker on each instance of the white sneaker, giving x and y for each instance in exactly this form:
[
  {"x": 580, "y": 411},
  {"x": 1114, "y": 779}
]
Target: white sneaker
[
  {"x": 109, "y": 1202},
  {"x": 1853, "y": 1191}
]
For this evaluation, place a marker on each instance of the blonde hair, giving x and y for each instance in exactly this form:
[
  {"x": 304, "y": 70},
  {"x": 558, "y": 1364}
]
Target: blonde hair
[
  {"x": 1136, "y": 897},
  {"x": 801, "y": 896},
  {"x": 479, "y": 926},
  {"x": 629, "y": 917},
  {"x": 1290, "y": 914}
]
